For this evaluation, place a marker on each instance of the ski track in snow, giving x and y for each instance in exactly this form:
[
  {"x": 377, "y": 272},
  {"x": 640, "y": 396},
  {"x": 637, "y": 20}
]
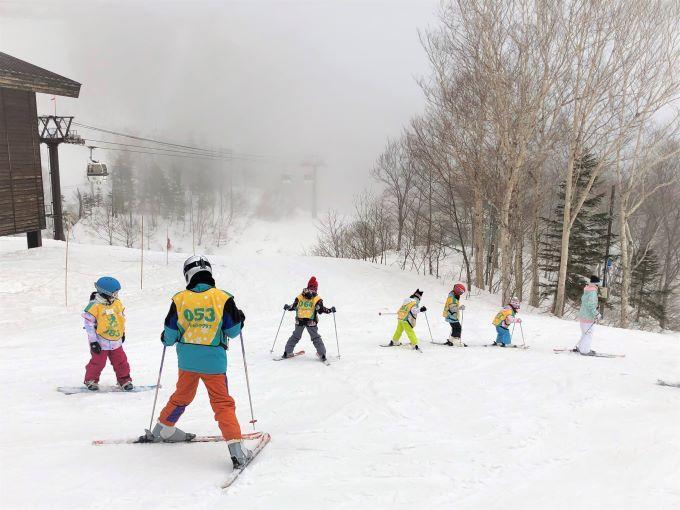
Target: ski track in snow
[{"x": 379, "y": 428}]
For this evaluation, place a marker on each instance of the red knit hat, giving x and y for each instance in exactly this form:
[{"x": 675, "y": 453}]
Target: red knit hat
[{"x": 312, "y": 284}]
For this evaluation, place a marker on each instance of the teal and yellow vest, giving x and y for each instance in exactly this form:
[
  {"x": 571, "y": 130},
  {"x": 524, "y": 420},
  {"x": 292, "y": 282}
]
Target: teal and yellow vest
[
  {"x": 199, "y": 316},
  {"x": 451, "y": 300},
  {"x": 306, "y": 308},
  {"x": 501, "y": 317},
  {"x": 110, "y": 319}
]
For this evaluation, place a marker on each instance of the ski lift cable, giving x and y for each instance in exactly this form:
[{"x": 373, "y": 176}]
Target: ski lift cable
[
  {"x": 214, "y": 155},
  {"x": 171, "y": 144},
  {"x": 194, "y": 156}
]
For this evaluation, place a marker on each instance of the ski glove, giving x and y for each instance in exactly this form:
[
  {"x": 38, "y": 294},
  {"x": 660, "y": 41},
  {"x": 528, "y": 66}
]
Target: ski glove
[
  {"x": 122, "y": 340},
  {"x": 423, "y": 309},
  {"x": 461, "y": 307},
  {"x": 333, "y": 310},
  {"x": 517, "y": 320},
  {"x": 598, "y": 316},
  {"x": 286, "y": 308},
  {"x": 95, "y": 348},
  {"x": 241, "y": 317}
]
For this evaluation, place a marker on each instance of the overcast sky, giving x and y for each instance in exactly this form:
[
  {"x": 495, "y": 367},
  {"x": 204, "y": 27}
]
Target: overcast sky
[{"x": 286, "y": 78}]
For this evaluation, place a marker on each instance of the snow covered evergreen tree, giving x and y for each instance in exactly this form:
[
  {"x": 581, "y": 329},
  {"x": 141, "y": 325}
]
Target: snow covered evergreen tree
[{"x": 587, "y": 239}]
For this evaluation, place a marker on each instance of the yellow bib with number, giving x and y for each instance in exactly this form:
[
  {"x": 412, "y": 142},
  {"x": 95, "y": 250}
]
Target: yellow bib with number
[
  {"x": 306, "y": 308},
  {"x": 502, "y": 315},
  {"x": 199, "y": 315},
  {"x": 403, "y": 312},
  {"x": 110, "y": 319}
]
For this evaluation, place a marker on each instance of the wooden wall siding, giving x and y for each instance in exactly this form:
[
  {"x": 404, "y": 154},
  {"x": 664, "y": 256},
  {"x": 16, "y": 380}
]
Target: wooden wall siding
[{"x": 22, "y": 207}]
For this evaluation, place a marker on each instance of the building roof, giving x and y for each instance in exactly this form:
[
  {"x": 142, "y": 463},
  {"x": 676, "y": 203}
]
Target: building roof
[{"x": 18, "y": 74}]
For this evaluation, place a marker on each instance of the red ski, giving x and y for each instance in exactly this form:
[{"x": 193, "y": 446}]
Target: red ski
[{"x": 299, "y": 353}]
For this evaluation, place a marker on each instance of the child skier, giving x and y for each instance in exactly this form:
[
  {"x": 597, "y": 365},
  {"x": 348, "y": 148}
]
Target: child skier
[
  {"x": 308, "y": 306},
  {"x": 200, "y": 321},
  {"x": 104, "y": 322},
  {"x": 452, "y": 307},
  {"x": 588, "y": 316},
  {"x": 406, "y": 319},
  {"x": 502, "y": 321}
]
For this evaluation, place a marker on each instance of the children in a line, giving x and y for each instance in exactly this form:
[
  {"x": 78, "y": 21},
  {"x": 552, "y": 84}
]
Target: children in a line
[
  {"x": 406, "y": 319},
  {"x": 307, "y": 307},
  {"x": 451, "y": 314},
  {"x": 588, "y": 316},
  {"x": 503, "y": 320}
]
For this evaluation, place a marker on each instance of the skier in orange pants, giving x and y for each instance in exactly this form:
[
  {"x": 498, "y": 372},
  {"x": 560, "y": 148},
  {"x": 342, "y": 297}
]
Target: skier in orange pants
[{"x": 200, "y": 322}]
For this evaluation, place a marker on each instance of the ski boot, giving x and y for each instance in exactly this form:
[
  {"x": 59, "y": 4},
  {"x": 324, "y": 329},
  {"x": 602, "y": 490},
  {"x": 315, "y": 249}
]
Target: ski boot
[
  {"x": 165, "y": 434},
  {"x": 322, "y": 357},
  {"x": 449, "y": 343},
  {"x": 394, "y": 344},
  {"x": 287, "y": 355},
  {"x": 92, "y": 385},
  {"x": 416, "y": 348},
  {"x": 240, "y": 457},
  {"x": 589, "y": 353},
  {"x": 127, "y": 386}
]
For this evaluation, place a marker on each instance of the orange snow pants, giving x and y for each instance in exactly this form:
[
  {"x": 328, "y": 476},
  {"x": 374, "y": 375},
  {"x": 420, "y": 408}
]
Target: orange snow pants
[{"x": 218, "y": 390}]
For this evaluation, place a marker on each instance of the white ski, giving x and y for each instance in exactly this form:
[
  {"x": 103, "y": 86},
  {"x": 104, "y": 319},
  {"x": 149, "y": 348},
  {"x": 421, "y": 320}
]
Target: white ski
[{"x": 261, "y": 443}]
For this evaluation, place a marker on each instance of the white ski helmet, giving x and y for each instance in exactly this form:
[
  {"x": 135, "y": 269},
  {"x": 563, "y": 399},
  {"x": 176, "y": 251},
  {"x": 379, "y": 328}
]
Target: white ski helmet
[
  {"x": 194, "y": 265},
  {"x": 515, "y": 303}
]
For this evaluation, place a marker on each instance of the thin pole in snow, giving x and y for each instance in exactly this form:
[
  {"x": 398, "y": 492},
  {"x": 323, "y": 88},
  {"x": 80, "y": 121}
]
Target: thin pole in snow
[
  {"x": 245, "y": 368},
  {"x": 141, "y": 261},
  {"x": 167, "y": 244},
  {"x": 158, "y": 385},
  {"x": 68, "y": 234},
  {"x": 277, "y": 332},
  {"x": 428, "y": 327},
  {"x": 337, "y": 341}
]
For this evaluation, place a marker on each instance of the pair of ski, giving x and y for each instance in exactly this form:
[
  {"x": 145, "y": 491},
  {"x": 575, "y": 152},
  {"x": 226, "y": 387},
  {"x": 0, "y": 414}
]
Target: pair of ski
[
  {"x": 300, "y": 353},
  {"x": 511, "y": 346},
  {"x": 262, "y": 439},
  {"x": 595, "y": 355},
  {"x": 403, "y": 345}
]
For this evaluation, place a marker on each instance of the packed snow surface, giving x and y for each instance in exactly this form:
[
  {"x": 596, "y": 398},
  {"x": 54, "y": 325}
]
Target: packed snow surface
[{"x": 380, "y": 428}]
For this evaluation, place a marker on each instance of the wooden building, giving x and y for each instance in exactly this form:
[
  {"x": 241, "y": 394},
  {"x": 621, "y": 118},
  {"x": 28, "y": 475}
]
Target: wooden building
[{"x": 22, "y": 204}]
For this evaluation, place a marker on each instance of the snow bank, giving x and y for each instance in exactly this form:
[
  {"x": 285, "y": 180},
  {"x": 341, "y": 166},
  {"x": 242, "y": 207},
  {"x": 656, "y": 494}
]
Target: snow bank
[{"x": 380, "y": 428}]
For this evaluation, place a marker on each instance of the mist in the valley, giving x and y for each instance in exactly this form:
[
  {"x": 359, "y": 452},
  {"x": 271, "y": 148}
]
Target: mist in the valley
[{"x": 279, "y": 83}]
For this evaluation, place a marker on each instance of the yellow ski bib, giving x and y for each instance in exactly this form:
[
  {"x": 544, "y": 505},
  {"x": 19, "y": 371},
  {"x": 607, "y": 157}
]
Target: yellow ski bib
[
  {"x": 306, "y": 308},
  {"x": 110, "y": 319},
  {"x": 404, "y": 310},
  {"x": 502, "y": 316},
  {"x": 199, "y": 315}
]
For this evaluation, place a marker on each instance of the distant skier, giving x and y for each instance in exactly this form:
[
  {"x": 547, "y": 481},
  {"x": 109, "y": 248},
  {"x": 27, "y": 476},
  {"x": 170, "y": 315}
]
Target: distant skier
[
  {"x": 104, "y": 322},
  {"x": 406, "y": 319},
  {"x": 502, "y": 321},
  {"x": 588, "y": 316},
  {"x": 200, "y": 321},
  {"x": 307, "y": 306},
  {"x": 452, "y": 308}
]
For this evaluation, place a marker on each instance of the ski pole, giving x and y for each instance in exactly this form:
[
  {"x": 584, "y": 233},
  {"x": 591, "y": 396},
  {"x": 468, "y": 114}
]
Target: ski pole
[
  {"x": 277, "y": 331},
  {"x": 387, "y": 313},
  {"x": 524, "y": 344},
  {"x": 336, "y": 335},
  {"x": 158, "y": 385},
  {"x": 245, "y": 368},
  {"x": 428, "y": 327}
]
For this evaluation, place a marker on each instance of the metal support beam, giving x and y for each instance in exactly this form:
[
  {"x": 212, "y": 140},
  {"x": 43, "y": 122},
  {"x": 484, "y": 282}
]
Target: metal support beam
[{"x": 56, "y": 192}]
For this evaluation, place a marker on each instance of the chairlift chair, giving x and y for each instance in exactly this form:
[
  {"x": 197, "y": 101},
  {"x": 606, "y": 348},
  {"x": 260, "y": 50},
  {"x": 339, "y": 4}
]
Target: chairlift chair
[{"x": 95, "y": 169}]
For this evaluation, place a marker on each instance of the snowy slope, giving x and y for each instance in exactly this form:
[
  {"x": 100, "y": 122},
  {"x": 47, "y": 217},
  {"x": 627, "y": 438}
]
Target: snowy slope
[{"x": 380, "y": 428}]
